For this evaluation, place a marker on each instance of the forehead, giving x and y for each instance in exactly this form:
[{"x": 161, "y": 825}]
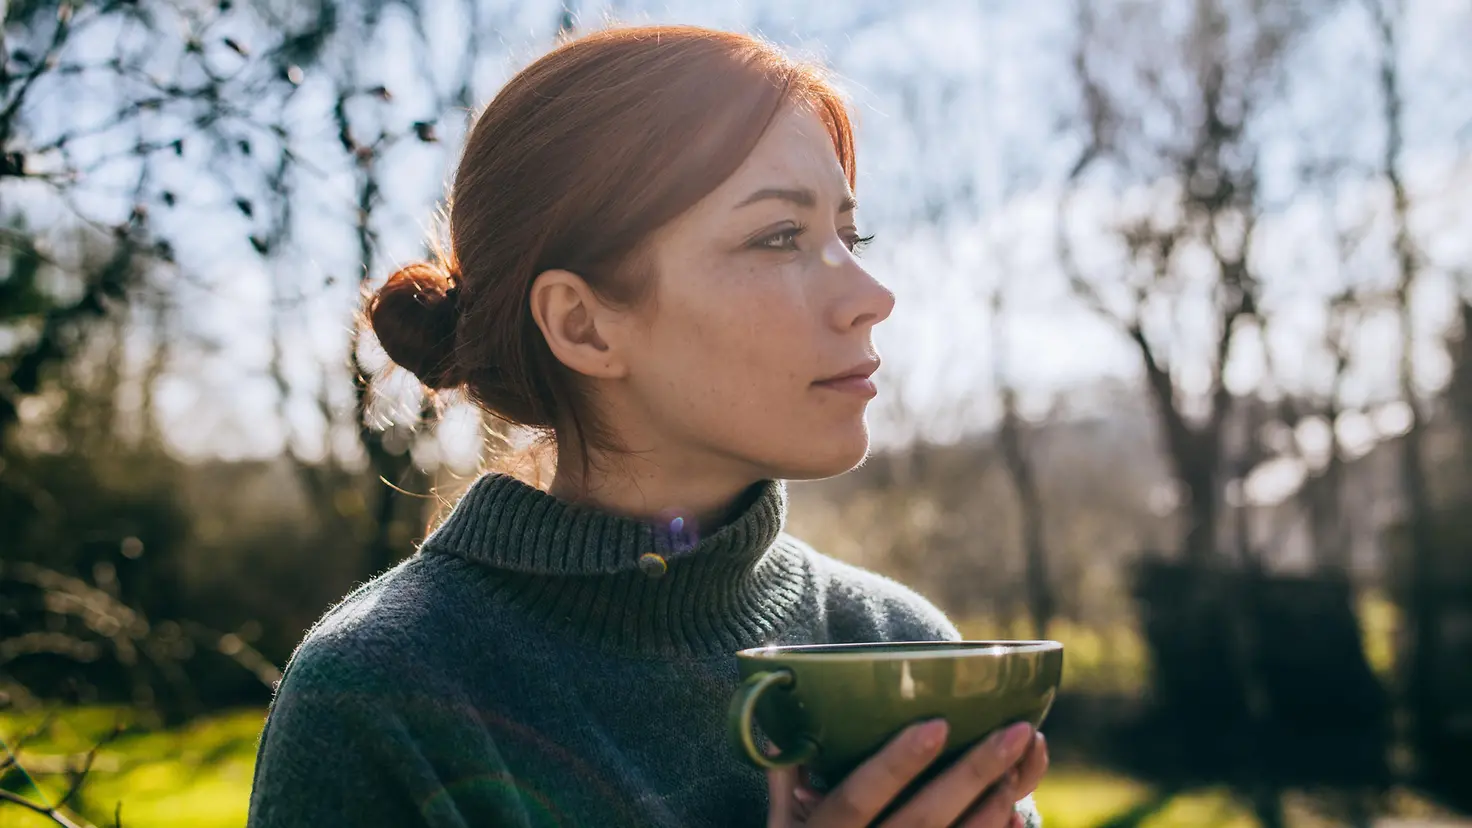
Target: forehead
[{"x": 796, "y": 150}]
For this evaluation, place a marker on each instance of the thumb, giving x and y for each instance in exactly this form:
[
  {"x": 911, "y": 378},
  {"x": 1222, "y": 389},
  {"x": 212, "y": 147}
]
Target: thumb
[{"x": 780, "y": 785}]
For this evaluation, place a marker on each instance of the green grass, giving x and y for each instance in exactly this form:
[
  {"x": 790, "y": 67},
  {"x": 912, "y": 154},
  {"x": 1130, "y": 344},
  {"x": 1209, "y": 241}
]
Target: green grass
[
  {"x": 1085, "y": 798},
  {"x": 197, "y": 776}
]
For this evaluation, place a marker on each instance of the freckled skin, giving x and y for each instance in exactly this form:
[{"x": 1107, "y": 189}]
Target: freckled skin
[{"x": 722, "y": 362}]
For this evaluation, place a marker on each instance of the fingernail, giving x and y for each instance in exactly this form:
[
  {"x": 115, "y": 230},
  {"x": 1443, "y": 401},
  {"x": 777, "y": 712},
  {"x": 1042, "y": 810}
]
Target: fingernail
[
  {"x": 1016, "y": 738},
  {"x": 805, "y": 795},
  {"x": 929, "y": 736}
]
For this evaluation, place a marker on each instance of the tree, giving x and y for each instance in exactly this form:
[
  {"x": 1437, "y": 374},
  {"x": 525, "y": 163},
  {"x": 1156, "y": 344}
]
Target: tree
[
  {"x": 237, "y": 121},
  {"x": 1409, "y": 263},
  {"x": 1181, "y": 272}
]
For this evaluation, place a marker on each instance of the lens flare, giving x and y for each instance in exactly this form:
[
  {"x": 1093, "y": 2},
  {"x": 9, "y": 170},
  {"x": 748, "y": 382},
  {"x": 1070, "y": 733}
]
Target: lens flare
[
  {"x": 652, "y": 564},
  {"x": 834, "y": 254},
  {"x": 679, "y": 527}
]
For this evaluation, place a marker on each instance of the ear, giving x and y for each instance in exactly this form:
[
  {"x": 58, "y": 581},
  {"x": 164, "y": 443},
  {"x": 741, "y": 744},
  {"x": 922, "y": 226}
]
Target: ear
[{"x": 576, "y": 324}]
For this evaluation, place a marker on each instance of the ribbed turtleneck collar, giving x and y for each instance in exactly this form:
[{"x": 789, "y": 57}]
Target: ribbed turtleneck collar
[{"x": 628, "y": 584}]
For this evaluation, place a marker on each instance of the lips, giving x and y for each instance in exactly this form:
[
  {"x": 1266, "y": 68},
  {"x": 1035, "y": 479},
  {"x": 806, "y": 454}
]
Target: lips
[{"x": 856, "y": 380}]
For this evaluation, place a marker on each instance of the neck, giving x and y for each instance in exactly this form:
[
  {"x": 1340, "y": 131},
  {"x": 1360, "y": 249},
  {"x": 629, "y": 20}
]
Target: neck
[
  {"x": 629, "y": 584},
  {"x": 638, "y": 486}
]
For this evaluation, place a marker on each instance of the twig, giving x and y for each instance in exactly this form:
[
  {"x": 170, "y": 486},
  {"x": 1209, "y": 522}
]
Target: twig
[
  {"x": 12, "y": 752},
  {"x": 80, "y": 776},
  {"x": 42, "y": 65},
  {"x": 50, "y": 813}
]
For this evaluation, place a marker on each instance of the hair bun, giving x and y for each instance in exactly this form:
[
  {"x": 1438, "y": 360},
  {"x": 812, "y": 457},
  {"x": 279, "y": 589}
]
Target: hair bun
[{"x": 414, "y": 317}]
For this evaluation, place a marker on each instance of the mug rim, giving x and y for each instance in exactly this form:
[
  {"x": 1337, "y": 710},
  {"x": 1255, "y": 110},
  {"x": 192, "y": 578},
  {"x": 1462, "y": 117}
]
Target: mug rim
[{"x": 893, "y": 650}]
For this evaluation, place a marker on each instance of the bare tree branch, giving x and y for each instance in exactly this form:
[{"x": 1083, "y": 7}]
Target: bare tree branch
[
  {"x": 79, "y": 776},
  {"x": 12, "y": 750},
  {"x": 47, "y": 811}
]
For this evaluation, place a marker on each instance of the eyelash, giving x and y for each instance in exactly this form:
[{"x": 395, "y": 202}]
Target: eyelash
[{"x": 792, "y": 233}]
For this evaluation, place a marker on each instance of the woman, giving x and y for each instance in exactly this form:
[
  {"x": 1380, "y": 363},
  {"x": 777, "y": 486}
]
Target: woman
[{"x": 651, "y": 263}]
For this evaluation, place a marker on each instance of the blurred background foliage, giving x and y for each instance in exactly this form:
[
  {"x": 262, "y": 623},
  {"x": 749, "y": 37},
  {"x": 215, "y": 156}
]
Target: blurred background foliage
[{"x": 1199, "y": 403}]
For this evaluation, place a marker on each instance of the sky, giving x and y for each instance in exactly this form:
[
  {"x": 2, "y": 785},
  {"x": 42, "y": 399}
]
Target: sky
[{"x": 963, "y": 103}]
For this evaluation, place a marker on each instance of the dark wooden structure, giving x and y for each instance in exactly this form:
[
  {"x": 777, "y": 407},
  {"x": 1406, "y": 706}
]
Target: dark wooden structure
[
  {"x": 1259, "y": 682},
  {"x": 1441, "y": 713}
]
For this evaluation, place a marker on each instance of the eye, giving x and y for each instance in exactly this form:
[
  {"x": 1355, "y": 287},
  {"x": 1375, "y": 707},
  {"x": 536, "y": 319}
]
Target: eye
[
  {"x": 784, "y": 239},
  {"x": 857, "y": 243}
]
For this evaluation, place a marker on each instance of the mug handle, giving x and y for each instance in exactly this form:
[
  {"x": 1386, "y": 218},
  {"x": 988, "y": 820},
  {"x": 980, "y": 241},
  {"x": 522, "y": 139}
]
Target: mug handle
[{"x": 743, "y": 707}]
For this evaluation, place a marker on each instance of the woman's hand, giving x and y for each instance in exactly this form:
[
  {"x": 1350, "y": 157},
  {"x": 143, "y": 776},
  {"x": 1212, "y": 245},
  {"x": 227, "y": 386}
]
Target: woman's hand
[{"x": 979, "y": 791}]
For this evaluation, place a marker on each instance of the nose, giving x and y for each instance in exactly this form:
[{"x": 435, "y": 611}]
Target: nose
[{"x": 864, "y": 301}]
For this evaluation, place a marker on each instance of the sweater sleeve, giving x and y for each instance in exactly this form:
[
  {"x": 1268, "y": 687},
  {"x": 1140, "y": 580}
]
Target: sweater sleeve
[{"x": 343, "y": 746}]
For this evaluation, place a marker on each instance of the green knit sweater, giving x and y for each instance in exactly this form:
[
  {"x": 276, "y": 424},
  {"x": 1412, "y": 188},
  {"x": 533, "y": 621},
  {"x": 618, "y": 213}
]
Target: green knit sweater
[{"x": 539, "y": 664}]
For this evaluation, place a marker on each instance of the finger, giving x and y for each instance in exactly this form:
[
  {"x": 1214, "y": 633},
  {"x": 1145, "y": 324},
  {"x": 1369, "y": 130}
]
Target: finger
[
  {"x": 998, "y": 810},
  {"x": 806, "y": 796},
  {"x": 941, "y": 802},
  {"x": 780, "y": 785},
  {"x": 1033, "y": 766},
  {"x": 1017, "y": 821},
  {"x": 866, "y": 791},
  {"x": 805, "y": 800},
  {"x": 804, "y": 789}
]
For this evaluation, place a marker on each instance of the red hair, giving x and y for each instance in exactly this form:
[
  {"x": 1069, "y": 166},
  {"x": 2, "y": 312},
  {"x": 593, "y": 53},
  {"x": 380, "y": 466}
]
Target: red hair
[{"x": 577, "y": 160}]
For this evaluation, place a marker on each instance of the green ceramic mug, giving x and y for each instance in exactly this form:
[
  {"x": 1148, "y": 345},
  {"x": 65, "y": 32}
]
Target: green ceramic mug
[{"x": 831, "y": 706}]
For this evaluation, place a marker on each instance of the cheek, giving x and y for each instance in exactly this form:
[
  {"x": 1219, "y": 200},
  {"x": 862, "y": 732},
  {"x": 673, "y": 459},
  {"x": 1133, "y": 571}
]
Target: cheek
[
  {"x": 734, "y": 358},
  {"x": 738, "y": 338}
]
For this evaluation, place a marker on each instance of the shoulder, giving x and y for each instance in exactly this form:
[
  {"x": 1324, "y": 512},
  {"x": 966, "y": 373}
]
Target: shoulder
[
  {"x": 864, "y": 605},
  {"x": 377, "y": 673},
  {"x": 379, "y": 669},
  {"x": 402, "y": 621}
]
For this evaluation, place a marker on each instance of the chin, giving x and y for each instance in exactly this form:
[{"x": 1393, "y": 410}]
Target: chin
[{"x": 824, "y": 458}]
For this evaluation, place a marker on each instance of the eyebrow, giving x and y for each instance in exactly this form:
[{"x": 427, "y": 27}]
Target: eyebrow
[{"x": 802, "y": 197}]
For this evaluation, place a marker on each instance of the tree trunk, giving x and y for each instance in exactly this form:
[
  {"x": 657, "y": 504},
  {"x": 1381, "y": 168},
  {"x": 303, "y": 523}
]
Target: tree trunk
[
  {"x": 1041, "y": 603},
  {"x": 1267, "y": 805},
  {"x": 1424, "y": 612}
]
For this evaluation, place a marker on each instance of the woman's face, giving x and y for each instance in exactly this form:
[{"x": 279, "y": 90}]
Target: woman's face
[{"x": 752, "y": 353}]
